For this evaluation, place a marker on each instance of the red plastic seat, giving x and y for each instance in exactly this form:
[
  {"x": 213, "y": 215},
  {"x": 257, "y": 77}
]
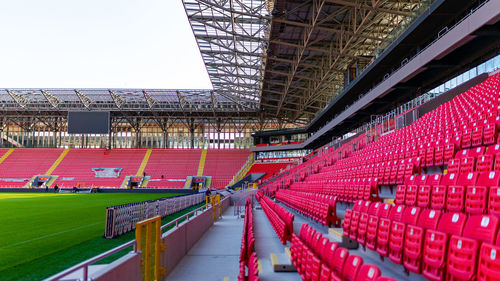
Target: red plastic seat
[
  {"x": 400, "y": 195},
  {"x": 438, "y": 197},
  {"x": 476, "y": 152},
  {"x": 411, "y": 195},
  {"x": 494, "y": 201},
  {"x": 373, "y": 223},
  {"x": 434, "y": 180},
  {"x": 493, "y": 149},
  {"x": 339, "y": 259},
  {"x": 397, "y": 235},
  {"x": 463, "y": 250},
  {"x": 462, "y": 154},
  {"x": 485, "y": 163},
  {"x": 423, "y": 196},
  {"x": 436, "y": 244},
  {"x": 477, "y": 196},
  {"x": 489, "y": 134},
  {"x": 346, "y": 224},
  {"x": 414, "y": 239},
  {"x": 351, "y": 267},
  {"x": 489, "y": 262},
  {"x": 368, "y": 272},
  {"x": 449, "y": 179},
  {"x": 467, "y": 165},
  {"x": 454, "y": 166},
  {"x": 362, "y": 228}
]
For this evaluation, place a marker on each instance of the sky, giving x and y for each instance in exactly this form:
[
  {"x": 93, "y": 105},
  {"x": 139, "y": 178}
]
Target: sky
[{"x": 98, "y": 44}]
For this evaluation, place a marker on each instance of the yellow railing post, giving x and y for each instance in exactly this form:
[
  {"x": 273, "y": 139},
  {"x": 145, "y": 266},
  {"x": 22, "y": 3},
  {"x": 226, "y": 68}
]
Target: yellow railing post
[{"x": 148, "y": 242}]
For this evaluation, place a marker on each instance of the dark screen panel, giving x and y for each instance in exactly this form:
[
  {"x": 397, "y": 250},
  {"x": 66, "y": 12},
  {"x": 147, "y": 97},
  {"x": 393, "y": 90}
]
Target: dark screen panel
[{"x": 88, "y": 122}]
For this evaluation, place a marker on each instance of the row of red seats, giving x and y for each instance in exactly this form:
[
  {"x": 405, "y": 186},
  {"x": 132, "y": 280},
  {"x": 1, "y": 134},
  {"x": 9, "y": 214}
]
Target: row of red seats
[
  {"x": 474, "y": 193},
  {"x": 483, "y": 163},
  {"x": 248, "y": 257},
  {"x": 281, "y": 220},
  {"x": 361, "y": 190},
  {"x": 440, "y": 246},
  {"x": 434, "y": 139},
  {"x": 318, "y": 259},
  {"x": 317, "y": 206}
]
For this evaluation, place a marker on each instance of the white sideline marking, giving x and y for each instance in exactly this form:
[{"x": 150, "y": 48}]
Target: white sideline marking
[{"x": 49, "y": 235}]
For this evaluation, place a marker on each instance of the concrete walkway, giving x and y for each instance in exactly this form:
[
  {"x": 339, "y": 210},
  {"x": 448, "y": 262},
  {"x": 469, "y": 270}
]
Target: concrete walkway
[{"x": 216, "y": 255}]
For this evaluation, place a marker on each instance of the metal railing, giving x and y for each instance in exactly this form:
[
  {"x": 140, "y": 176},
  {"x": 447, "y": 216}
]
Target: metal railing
[{"x": 85, "y": 264}]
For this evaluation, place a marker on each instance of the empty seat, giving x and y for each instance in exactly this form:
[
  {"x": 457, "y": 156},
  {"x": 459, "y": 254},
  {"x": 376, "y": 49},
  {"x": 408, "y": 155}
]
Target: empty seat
[
  {"x": 400, "y": 195},
  {"x": 414, "y": 239},
  {"x": 351, "y": 267},
  {"x": 384, "y": 229},
  {"x": 438, "y": 197},
  {"x": 346, "y": 224},
  {"x": 467, "y": 165},
  {"x": 373, "y": 223},
  {"x": 397, "y": 236},
  {"x": 368, "y": 272},
  {"x": 494, "y": 201},
  {"x": 411, "y": 195},
  {"x": 338, "y": 261},
  {"x": 436, "y": 244},
  {"x": 485, "y": 163},
  {"x": 489, "y": 261},
  {"x": 423, "y": 196},
  {"x": 477, "y": 196},
  {"x": 463, "y": 250}
]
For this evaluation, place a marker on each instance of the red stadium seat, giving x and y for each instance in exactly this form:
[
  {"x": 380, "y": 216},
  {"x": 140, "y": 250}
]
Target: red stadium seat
[
  {"x": 368, "y": 272},
  {"x": 414, "y": 239},
  {"x": 351, "y": 267},
  {"x": 463, "y": 250},
  {"x": 436, "y": 244}
]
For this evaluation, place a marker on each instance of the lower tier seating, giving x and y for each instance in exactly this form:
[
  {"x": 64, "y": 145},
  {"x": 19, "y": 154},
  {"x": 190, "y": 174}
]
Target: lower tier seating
[
  {"x": 248, "y": 258},
  {"x": 440, "y": 246},
  {"x": 281, "y": 220},
  {"x": 316, "y": 258},
  {"x": 317, "y": 206}
]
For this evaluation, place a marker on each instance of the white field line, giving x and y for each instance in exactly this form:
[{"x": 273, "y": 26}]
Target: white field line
[{"x": 50, "y": 235}]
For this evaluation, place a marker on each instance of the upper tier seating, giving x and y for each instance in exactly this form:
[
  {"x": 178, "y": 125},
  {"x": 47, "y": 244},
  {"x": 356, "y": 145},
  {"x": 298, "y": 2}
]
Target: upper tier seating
[{"x": 222, "y": 164}]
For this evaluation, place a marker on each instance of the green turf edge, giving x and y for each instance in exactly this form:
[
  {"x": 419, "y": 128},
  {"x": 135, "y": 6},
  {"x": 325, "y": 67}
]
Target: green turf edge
[{"x": 49, "y": 265}]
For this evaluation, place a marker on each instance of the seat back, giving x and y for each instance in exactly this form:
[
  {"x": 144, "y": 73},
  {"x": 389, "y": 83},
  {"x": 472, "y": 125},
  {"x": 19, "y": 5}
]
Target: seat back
[
  {"x": 429, "y": 219},
  {"x": 368, "y": 272},
  {"x": 351, "y": 267}
]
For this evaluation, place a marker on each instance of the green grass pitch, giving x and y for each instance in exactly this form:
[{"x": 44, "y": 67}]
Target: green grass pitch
[{"x": 42, "y": 234}]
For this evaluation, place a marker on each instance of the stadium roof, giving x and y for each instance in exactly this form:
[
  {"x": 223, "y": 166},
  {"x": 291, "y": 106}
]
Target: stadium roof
[
  {"x": 117, "y": 100},
  {"x": 232, "y": 37},
  {"x": 291, "y": 56}
]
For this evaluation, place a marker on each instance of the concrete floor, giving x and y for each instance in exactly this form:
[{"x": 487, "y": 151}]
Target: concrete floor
[{"x": 216, "y": 255}]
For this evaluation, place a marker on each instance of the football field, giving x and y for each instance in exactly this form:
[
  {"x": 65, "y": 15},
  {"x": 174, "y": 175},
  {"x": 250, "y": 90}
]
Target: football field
[{"x": 47, "y": 232}]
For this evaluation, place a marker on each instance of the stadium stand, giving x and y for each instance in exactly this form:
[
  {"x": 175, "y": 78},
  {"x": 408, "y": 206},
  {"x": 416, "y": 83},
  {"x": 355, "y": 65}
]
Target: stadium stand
[
  {"x": 270, "y": 169},
  {"x": 172, "y": 164},
  {"x": 248, "y": 258},
  {"x": 76, "y": 167},
  {"x": 23, "y": 163},
  {"x": 445, "y": 218},
  {"x": 222, "y": 164}
]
